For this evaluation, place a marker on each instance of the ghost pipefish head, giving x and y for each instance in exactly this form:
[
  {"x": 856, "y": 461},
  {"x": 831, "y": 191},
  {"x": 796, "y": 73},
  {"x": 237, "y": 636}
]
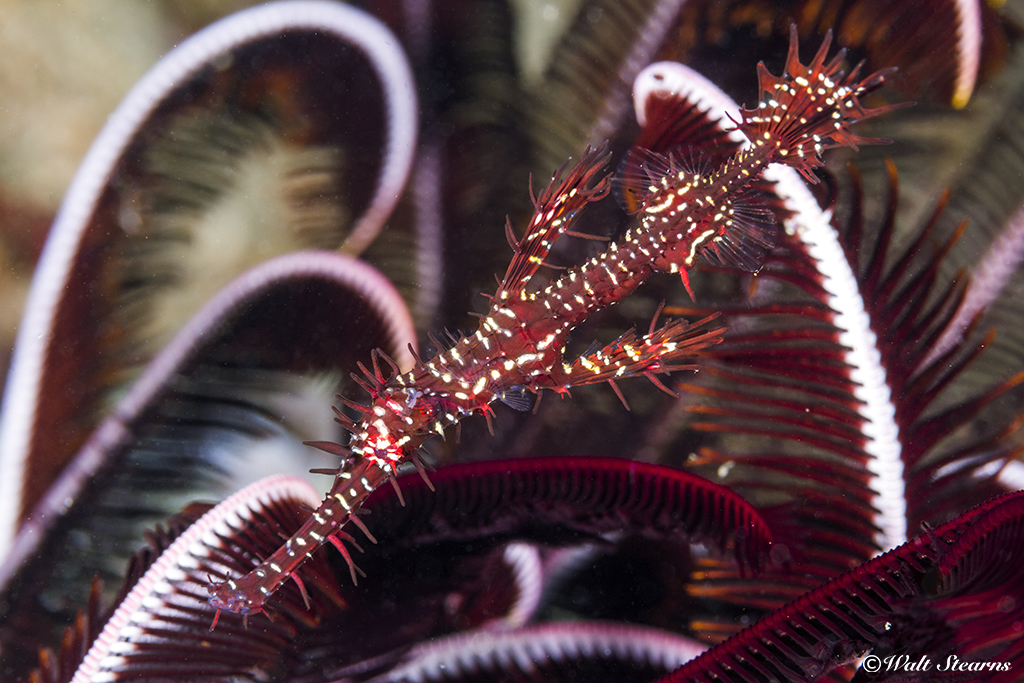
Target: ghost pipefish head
[{"x": 242, "y": 596}]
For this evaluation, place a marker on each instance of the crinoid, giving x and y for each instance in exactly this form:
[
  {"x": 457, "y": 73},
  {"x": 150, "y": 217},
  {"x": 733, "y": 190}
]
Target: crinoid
[{"x": 283, "y": 210}]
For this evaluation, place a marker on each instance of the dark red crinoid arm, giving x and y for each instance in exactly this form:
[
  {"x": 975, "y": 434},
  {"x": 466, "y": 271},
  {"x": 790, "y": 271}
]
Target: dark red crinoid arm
[
  {"x": 954, "y": 591},
  {"x": 566, "y": 498}
]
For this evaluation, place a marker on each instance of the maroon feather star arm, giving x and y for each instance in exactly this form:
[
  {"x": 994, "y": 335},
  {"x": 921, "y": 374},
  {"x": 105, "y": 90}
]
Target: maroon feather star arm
[
  {"x": 521, "y": 342},
  {"x": 959, "y": 580},
  {"x": 156, "y": 629}
]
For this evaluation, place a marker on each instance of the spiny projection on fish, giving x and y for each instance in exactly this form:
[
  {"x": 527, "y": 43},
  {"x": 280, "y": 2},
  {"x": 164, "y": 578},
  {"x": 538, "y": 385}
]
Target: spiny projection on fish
[{"x": 682, "y": 214}]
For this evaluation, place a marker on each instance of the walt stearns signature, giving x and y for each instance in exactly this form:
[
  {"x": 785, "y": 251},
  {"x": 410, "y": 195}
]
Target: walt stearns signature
[{"x": 952, "y": 664}]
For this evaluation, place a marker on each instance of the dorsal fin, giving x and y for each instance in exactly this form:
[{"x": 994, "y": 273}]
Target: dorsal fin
[
  {"x": 638, "y": 171},
  {"x": 683, "y": 128}
]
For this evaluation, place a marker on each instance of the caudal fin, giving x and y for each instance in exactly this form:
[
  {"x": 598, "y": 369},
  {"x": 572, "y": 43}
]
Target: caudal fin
[{"x": 809, "y": 109}]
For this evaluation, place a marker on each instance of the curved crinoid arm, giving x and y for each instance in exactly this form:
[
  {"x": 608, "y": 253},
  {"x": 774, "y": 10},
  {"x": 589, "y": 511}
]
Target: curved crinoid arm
[
  {"x": 591, "y": 650},
  {"x": 160, "y": 628},
  {"x": 566, "y": 501},
  {"x": 556, "y": 209},
  {"x": 952, "y": 595},
  {"x": 666, "y": 349},
  {"x": 809, "y": 109}
]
